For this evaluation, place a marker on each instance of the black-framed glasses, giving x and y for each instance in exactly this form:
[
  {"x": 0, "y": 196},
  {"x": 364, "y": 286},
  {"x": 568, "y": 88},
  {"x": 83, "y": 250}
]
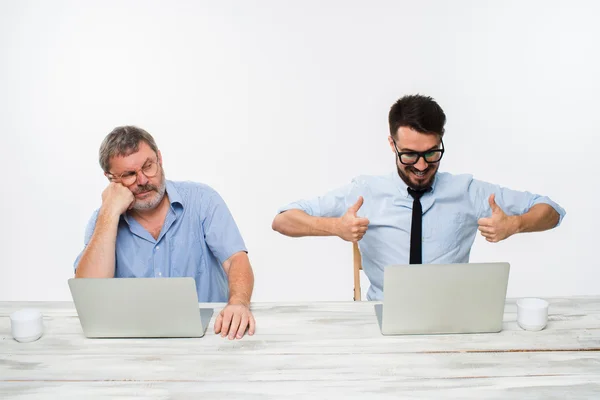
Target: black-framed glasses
[
  {"x": 150, "y": 169},
  {"x": 412, "y": 157}
]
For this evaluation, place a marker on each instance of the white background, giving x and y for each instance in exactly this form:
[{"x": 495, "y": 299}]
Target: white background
[{"x": 273, "y": 101}]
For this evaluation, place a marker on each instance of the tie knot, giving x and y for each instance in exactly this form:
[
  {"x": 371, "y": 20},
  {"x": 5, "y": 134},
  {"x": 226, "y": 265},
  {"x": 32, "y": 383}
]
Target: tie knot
[{"x": 416, "y": 194}]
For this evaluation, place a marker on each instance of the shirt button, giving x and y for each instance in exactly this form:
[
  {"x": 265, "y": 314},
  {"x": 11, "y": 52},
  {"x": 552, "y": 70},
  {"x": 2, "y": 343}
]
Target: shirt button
[
  {"x": 157, "y": 247},
  {"x": 160, "y": 274}
]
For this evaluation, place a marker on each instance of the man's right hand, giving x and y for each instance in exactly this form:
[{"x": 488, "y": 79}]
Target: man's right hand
[
  {"x": 116, "y": 199},
  {"x": 350, "y": 227}
]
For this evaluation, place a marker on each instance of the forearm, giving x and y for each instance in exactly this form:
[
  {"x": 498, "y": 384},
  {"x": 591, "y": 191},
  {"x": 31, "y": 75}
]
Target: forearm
[
  {"x": 241, "y": 280},
  {"x": 98, "y": 258},
  {"x": 539, "y": 218},
  {"x": 297, "y": 223}
]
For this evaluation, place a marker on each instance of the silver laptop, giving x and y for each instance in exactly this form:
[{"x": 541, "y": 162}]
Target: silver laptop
[
  {"x": 139, "y": 307},
  {"x": 443, "y": 298}
]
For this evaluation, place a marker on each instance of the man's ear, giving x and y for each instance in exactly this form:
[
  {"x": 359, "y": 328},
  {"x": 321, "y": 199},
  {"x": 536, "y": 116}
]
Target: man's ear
[{"x": 391, "y": 142}]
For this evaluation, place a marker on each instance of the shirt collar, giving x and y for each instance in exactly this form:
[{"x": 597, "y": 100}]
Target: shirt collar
[{"x": 174, "y": 196}]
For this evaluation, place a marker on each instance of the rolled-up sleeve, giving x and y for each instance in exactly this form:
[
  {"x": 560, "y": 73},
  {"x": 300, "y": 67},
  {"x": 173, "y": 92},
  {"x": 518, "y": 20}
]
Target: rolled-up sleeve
[
  {"x": 221, "y": 232},
  {"x": 89, "y": 231},
  {"x": 512, "y": 202},
  {"x": 332, "y": 204}
]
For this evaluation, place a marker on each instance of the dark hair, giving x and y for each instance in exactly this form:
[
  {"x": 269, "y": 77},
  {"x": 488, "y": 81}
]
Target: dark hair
[
  {"x": 418, "y": 112},
  {"x": 123, "y": 141}
]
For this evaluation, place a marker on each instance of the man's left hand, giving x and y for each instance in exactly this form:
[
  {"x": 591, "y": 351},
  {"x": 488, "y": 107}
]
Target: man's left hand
[
  {"x": 233, "y": 320},
  {"x": 499, "y": 226}
]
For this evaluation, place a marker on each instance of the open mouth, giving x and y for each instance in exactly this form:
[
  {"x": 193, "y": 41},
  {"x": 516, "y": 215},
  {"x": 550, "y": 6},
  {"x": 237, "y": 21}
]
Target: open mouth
[{"x": 420, "y": 174}]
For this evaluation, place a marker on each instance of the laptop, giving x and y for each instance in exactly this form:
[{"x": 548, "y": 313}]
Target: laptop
[
  {"x": 139, "y": 307},
  {"x": 443, "y": 298}
]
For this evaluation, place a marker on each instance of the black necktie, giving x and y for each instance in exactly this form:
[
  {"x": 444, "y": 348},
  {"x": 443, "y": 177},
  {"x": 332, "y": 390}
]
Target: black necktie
[{"x": 416, "y": 228}]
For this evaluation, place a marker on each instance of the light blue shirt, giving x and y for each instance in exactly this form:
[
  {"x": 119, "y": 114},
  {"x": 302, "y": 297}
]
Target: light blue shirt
[
  {"x": 198, "y": 235},
  {"x": 450, "y": 213}
]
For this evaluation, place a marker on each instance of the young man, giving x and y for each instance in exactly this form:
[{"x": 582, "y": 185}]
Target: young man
[
  {"x": 148, "y": 226},
  {"x": 415, "y": 214}
]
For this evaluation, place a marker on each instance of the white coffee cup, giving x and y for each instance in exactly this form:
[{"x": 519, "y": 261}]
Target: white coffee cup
[
  {"x": 532, "y": 314},
  {"x": 26, "y": 325}
]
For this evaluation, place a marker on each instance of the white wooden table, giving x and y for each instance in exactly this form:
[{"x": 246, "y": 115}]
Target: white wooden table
[{"x": 309, "y": 350}]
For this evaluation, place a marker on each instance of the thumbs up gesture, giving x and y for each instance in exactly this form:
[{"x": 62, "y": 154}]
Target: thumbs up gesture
[
  {"x": 497, "y": 227},
  {"x": 350, "y": 227}
]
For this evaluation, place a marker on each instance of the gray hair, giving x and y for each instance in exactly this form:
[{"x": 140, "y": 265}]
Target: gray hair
[{"x": 123, "y": 141}]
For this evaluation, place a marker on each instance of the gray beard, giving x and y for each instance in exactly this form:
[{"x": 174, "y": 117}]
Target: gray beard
[{"x": 154, "y": 201}]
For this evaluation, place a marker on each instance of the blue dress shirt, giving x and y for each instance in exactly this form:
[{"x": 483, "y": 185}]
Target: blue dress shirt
[
  {"x": 198, "y": 235},
  {"x": 450, "y": 213}
]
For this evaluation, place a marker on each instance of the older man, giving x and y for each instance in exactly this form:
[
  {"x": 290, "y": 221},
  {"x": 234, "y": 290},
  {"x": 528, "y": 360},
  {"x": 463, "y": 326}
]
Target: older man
[{"x": 148, "y": 226}]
